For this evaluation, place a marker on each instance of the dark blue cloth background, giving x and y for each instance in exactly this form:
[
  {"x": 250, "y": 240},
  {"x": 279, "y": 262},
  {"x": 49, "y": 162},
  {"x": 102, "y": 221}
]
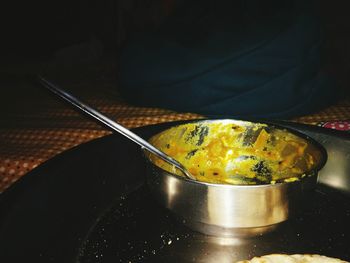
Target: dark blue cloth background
[{"x": 238, "y": 58}]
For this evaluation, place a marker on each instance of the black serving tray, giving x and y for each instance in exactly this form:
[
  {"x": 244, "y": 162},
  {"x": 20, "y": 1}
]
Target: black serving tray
[{"x": 90, "y": 204}]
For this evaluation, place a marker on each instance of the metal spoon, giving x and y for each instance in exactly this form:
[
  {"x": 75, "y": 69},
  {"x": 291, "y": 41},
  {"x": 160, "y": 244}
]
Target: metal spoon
[{"x": 113, "y": 125}]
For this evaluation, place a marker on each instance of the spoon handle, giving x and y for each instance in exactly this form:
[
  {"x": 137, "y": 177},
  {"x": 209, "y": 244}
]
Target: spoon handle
[{"x": 112, "y": 125}]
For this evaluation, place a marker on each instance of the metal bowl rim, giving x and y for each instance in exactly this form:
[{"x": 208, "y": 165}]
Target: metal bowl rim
[
  {"x": 230, "y": 186},
  {"x": 310, "y": 173}
]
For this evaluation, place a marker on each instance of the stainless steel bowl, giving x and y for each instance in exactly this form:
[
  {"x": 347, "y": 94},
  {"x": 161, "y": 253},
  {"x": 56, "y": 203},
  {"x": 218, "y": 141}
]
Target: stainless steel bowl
[{"x": 233, "y": 210}]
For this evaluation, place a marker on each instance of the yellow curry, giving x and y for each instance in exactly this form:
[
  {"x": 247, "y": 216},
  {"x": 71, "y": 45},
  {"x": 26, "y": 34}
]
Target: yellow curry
[{"x": 235, "y": 152}]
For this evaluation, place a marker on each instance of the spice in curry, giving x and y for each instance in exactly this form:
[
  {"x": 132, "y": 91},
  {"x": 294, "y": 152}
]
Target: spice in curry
[{"x": 234, "y": 152}]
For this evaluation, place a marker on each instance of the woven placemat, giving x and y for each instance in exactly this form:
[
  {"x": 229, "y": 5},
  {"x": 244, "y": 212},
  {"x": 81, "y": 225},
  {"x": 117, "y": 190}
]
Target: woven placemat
[{"x": 46, "y": 127}]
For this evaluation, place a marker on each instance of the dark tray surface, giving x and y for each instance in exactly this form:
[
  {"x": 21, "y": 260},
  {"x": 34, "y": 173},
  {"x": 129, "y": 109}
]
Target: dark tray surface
[{"x": 90, "y": 204}]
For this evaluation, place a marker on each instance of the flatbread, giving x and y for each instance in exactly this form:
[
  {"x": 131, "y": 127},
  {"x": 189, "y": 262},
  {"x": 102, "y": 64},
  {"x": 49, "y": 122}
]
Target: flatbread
[{"x": 296, "y": 258}]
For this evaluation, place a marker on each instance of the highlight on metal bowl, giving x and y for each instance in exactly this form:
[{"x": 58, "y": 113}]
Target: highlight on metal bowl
[{"x": 238, "y": 152}]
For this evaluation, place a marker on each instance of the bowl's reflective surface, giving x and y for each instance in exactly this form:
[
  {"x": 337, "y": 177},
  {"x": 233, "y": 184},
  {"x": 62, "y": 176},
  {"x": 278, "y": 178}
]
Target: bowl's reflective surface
[{"x": 225, "y": 209}]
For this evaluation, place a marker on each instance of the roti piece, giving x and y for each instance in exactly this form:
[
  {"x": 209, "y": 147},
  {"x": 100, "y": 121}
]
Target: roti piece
[{"x": 297, "y": 258}]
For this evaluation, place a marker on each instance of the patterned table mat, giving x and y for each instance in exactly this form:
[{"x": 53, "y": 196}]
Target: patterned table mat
[{"x": 30, "y": 137}]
